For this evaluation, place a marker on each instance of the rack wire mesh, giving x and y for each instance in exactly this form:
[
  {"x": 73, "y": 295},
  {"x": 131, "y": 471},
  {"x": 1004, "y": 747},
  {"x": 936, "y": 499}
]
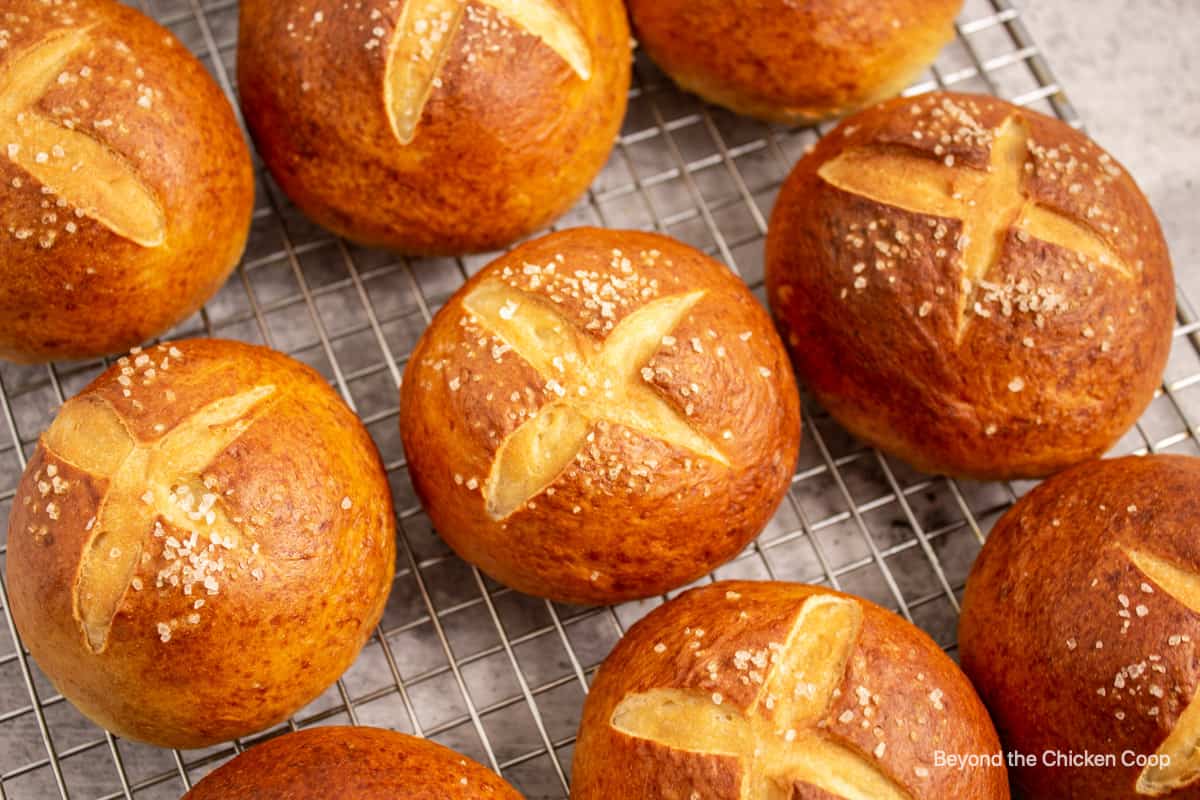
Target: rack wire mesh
[{"x": 458, "y": 658}]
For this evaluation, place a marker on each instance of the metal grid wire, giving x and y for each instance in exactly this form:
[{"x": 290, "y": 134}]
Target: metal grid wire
[{"x": 458, "y": 658}]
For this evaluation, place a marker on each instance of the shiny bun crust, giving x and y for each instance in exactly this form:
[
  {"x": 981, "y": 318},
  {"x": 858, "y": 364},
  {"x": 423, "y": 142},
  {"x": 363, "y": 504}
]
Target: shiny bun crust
[
  {"x": 1080, "y": 624},
  {"x": 756, "y": 690},
  {"x": 434, "y": 126},
  {"x": 201, "y": 543},
  {"x": 784, "y": 61},
  {"x": 600, "y": 415},
  {"x": 126, "y": 188},
  {"x": 351, "y": 764},
  {"x": 1022, "y": 340}
]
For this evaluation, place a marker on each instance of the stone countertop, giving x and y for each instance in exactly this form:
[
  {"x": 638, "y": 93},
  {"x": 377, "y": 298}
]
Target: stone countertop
[{"x": 1132, "y": 71}]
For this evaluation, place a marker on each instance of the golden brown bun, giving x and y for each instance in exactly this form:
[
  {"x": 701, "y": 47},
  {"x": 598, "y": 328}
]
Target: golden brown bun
[
  {"x": 758, "y": 690},
  {"x": 1044, "y": 359},
  {"x": 1080, "y": 626},
  {"x": 351, "y": 764},
  {"x": 789, "y": 61},
  {"x": 201, "y": 543},
  {"x": 674, "y": 455},
  {"x": 520, "y": 117},
  {"x": 125, "y": 184}
]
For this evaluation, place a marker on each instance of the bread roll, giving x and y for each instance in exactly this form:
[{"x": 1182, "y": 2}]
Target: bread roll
[
  {"x": 971, "y": 286},
  {"x": 434, "y": 126},
  {"x": 125, "y": 184},
  {"x": 351, "y": 764},
  {"x": 760, "y": 690},
  {"x": 600, "y": 415},
  {"x": 201, "y": 543},
  {"x": 784, "y": 61},
  {"x": 1079, "y": 628}
]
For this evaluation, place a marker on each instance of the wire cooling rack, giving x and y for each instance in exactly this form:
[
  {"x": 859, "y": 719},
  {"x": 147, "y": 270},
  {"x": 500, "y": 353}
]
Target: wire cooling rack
[{"x": 458, "y": 658}]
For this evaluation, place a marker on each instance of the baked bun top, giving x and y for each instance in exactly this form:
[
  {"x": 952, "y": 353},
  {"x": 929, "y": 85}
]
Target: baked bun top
[
  {"x": 126, "y": 184},
  {"x": 588, "y": 397},
  {"x": 794, "y": 62},
  {"x": 434, "y": 126},
  {"x": 1080, "y": 624},
  {"x": 752, "y": 690},
  {"x": 353, "y": 764},
  {"x": 973, "y": 285},
  {"x": 196, "y": 501}
]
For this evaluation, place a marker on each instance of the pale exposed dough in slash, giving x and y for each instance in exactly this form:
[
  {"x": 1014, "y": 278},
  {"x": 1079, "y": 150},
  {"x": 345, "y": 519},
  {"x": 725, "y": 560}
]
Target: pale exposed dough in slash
[
  {"x": 423, "y": 37},
  {"x": 780, "y": 738},
  {"x": 1183, "y": 743},
  {"x": 146, "y": 481},
  {"x": 86, "y": 173},
  {"x": 592, "y": 383},
  {"x": 989, "y": 203}
]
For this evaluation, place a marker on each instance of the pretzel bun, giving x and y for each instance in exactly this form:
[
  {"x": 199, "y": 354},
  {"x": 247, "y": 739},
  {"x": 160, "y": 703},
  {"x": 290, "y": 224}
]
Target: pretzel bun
[
  {"x": 784, "y": 61},
  {"x": 434, "y": 126},
  {"x": 756, "y": 690},
  {"x": 125, "y": 184},
  {"x": 201, "y": 543},
  {"x": 1080, "y": 625},
  {"x": 971, "y": 286},
  {"x": 352, "y": 764},
  {"x": 600, "y": 415}
]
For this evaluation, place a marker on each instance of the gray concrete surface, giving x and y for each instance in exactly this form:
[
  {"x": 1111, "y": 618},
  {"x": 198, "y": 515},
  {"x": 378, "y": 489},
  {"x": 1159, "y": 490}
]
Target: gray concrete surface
[{"x": 1132, "y": 69}]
